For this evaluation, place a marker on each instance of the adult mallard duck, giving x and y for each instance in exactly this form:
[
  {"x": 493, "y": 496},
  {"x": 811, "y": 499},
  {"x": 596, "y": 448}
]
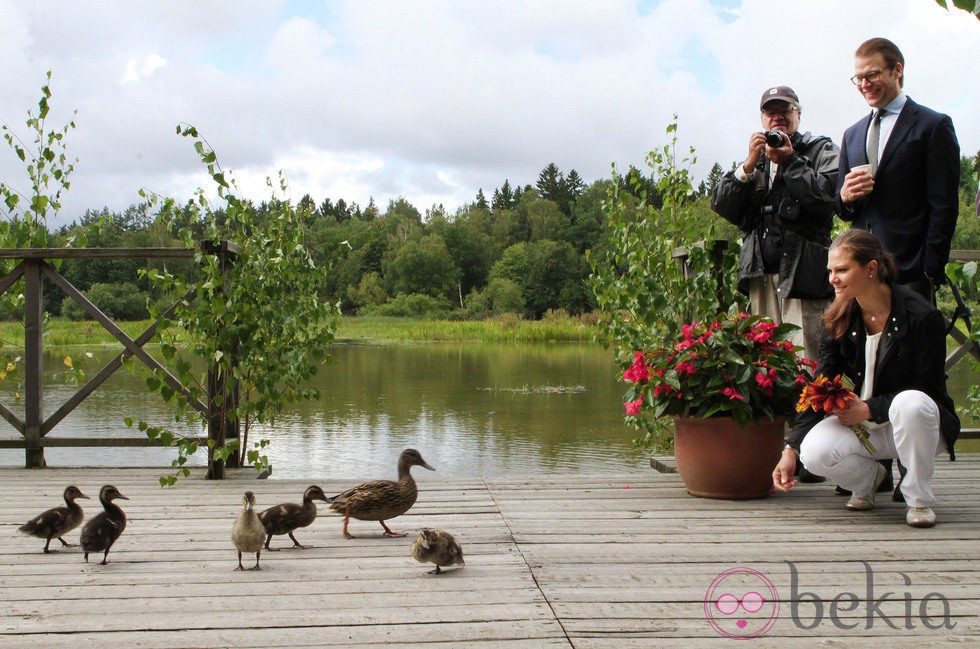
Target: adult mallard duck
[
  {"x": 101, "y": 532},
  {"x": 286, "y": 517},
  {"x": 382, "y": 499},
  {"x": 438, "y": 547},
  {"x": 57, "y": 521},
  {"x": 248, "y": 533}
]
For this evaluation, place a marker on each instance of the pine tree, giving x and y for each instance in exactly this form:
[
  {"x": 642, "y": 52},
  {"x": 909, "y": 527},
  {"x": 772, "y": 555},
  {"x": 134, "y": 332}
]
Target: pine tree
[{"x": 481, "y": 200}]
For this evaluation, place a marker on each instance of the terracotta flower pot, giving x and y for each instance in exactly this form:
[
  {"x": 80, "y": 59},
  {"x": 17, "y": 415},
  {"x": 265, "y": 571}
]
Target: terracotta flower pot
[{"x": 718, "y": 458}]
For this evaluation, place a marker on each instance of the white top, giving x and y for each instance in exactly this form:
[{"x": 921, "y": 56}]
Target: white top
[{"x": 870, "y": 356}]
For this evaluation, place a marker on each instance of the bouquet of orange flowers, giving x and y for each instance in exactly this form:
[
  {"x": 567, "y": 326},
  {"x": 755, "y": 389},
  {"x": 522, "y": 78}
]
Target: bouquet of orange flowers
[{"x": 828, "y": 395}]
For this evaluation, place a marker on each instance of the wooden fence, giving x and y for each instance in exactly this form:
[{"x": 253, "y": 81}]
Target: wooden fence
[{"x": 34, "y": 267}]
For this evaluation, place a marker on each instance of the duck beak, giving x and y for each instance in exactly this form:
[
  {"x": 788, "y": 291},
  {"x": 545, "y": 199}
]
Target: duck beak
[
  {"x": 122, "y": 497},
  {"x": 426, "y": 466}
]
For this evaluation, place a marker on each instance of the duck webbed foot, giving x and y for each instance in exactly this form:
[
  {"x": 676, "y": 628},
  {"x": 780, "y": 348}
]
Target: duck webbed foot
[
  {"x": 388, "y": 531},
  {"x": 297, "y": 544}
]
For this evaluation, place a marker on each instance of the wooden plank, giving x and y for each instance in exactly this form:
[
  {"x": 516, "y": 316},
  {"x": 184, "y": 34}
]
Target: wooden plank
[
  {"x": 92, "y": 442},
  {"x": 33, "y": 365},
  {"x": 96, "y": 253},
  {"x": 964, "y": 255},
  {"x": 551, "y": 561}
]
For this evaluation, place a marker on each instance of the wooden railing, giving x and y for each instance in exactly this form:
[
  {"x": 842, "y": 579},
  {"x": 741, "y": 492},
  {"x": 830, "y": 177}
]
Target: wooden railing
[{"x": 34, "y": 427}]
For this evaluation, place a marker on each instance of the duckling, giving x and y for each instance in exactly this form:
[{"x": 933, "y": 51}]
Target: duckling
[
  {"x": 248, "y": 532},
  {"x": 382, "y": 499},
  {"x": 438, "y": 547},
  {"x": 286, "y": 517},
  {"x": 57, "y": 521},
  {"x": 101, "y": 532}
]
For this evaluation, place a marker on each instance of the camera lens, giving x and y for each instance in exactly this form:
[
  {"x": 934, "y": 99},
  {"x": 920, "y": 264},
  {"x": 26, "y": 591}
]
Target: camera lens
[{"x": 775, "y": 138}]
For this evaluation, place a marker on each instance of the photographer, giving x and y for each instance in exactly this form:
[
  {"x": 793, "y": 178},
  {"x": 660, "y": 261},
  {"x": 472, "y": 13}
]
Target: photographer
[{"x": 782, "y": 199}]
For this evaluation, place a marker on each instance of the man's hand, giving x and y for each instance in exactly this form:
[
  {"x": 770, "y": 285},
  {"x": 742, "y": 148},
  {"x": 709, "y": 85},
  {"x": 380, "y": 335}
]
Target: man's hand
[
  {"x": 782, "y": 153},
  {"x": 757, "y": 144},
  {"x": 857, "y": 183}
]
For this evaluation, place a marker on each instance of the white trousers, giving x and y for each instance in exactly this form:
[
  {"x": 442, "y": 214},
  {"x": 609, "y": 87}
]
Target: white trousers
[
  {"x": 911, "y": 434},
  {"x": 764, "y": 300}
]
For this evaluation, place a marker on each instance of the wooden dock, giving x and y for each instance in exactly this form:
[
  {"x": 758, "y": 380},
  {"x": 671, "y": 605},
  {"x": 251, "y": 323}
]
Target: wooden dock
[{"x": 553, "y": 561}]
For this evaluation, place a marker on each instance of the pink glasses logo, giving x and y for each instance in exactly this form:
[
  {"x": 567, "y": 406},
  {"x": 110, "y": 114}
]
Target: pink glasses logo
[{"x": 741, "y": 603}]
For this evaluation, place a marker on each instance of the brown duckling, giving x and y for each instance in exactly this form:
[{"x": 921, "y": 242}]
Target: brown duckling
[
  {"x": 101, "y": 532},
  {"x": 57, "y": 521},
  {"x": 382, "y": 499},
  {"x": 248, "y": 532},
  {"x": 286, "y": 517},
  {"x": 438, "y": 547}
]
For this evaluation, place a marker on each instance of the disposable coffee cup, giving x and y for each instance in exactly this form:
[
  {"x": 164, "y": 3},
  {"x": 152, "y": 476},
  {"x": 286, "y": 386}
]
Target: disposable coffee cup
[{"x": 866, "y": 167}]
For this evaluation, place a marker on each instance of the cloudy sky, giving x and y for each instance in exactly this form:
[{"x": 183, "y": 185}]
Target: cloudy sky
[{"x": 432, "y": 100}]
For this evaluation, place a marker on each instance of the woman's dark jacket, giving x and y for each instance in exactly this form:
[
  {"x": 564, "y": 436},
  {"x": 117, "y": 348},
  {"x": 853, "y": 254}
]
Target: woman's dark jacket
[{"x": 911, "y": 356}]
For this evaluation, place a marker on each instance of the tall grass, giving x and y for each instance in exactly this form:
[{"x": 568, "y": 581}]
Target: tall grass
[
  {"x": 64, "y": 333},
  {"x": 499, "y": 329}
]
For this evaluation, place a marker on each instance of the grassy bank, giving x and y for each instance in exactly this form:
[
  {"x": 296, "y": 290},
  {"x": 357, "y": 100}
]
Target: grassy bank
[
  {"x": 63, "y": 333},
  {"x": 501, "y": 329}
]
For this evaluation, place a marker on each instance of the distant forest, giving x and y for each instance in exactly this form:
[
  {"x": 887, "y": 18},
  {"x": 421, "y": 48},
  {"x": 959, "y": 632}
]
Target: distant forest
[{"x": 521, "y": 250}]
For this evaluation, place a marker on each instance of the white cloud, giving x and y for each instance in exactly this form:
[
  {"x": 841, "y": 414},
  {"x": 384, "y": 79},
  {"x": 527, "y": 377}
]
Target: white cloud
[
  {"x": 434, "y": 100},
  {"x": 137, "y": 69}
]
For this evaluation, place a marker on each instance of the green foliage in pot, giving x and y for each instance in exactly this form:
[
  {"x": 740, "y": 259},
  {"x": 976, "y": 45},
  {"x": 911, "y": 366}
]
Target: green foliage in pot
[{"x": 660, "y": 266}]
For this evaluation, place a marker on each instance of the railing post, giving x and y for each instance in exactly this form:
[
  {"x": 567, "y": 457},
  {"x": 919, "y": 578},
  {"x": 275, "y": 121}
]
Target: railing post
[
  {"x": 221, "y": 396},
  {"x": 33, "y": 365}
]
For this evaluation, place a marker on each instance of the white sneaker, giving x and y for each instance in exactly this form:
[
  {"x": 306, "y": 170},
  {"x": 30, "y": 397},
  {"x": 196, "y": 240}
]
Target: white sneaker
[
  {"x": 864, "y": 503},
  {"x": 920, "y": 517}
]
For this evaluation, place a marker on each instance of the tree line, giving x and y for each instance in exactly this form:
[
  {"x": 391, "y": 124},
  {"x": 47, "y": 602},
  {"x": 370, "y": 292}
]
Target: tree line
[{"x": 521, "y": 251}]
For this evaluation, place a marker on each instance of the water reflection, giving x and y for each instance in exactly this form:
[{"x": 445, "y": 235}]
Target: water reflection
[{"x": 471, "y": 409}]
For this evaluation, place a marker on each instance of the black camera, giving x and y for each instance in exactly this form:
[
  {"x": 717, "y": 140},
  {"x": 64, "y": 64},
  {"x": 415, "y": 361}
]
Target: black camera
[{"x": 775, "y": 138}]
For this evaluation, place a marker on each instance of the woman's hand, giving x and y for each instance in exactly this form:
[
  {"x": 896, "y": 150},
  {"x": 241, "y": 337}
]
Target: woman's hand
[
  {"x": 855, "y": 412},
  {"x": 783, "y": 476}
]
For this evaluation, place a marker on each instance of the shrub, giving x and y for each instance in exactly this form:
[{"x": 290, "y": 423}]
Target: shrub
[
  {"x": 505, "y": 296},
  {"x": 412, "y": 305},
  {"x": 119, "y": 301}
]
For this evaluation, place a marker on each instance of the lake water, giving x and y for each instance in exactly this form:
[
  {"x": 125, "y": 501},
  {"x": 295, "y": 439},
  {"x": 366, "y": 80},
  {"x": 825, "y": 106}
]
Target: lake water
[{"x": 472, "y": 409}]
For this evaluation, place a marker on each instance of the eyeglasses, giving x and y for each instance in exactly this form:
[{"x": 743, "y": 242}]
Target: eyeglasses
[
  {"x": 781, "y": 110},
  {"x": 870, "y": 77}
]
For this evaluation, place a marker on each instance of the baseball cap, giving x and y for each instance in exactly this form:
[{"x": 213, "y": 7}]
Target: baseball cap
[{"x": 779, "y": 93}]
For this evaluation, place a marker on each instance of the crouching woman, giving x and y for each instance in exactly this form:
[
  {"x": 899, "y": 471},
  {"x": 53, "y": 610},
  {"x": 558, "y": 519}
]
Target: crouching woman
[{"x": 891, "y": 344}]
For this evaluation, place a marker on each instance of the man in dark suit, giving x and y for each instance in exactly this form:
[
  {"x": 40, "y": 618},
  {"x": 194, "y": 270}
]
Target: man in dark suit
[
  {"x": 899, "y": 176},
  {"x": 908, "y": 198}
]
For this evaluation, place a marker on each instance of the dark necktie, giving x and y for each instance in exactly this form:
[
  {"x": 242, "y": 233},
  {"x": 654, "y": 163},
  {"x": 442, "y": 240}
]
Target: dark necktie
[{"x": 874, "y": 134}]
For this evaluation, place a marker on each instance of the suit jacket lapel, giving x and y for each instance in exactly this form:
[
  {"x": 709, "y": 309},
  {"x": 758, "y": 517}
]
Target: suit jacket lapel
[
  {"x": 860, "y": 143},
  {"x": 903, "y": 125}
]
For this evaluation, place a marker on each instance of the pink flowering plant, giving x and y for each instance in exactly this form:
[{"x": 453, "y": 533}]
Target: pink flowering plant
[{"x": 739, "y": 366}]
